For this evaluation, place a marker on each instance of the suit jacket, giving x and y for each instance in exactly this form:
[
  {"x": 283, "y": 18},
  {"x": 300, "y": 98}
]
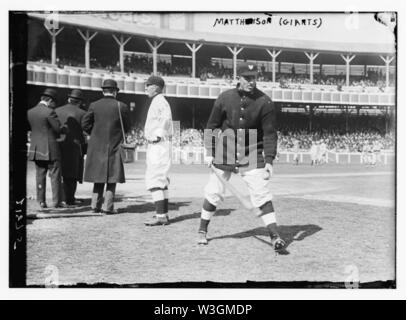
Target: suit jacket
[
  {"x": 104, "y": 162},
  {"x": 45, "y": 130},
  {"x": 72, "y": 143}
]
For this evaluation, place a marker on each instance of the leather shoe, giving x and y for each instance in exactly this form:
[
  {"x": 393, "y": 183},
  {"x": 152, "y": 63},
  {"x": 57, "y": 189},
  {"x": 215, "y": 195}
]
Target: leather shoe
[
  {"x": 61, "y": 204},
  {"x": 278, "y": 243},
  {"x": 114, "y": 211},
  {"x": 157, "y": 221},
  {"x": 202, "y": 239},
  {"x": 43, "y": 205}
]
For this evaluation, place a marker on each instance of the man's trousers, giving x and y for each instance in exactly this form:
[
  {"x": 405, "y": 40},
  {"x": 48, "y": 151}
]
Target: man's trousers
[
  {"x": 97, "y": 196},
  {"x": 54, "y": 168},
  {"x": 69, "y": 188}
]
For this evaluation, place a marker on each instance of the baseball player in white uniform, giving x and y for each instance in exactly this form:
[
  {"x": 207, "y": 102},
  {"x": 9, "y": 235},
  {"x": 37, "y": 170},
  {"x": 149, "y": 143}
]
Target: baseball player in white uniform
[
  {"x": 313, "y": 153},
  {"x": 296, "y": 151},
  {"x": 322, "y": 152},
  {"x": 158, "y": 132}
]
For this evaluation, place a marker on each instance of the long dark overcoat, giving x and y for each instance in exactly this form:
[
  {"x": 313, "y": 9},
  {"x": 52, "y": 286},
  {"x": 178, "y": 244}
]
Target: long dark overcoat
[
  {"x": 72, "y": 143},
  {"x": 104, "y": 163},
  {"x": 45, "y": 129}
]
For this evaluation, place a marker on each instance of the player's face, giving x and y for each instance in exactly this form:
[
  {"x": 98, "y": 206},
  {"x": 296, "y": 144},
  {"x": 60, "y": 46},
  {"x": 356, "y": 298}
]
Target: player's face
[
  {"x": 52, "y": 104},
  {"x": 248, "y": 83},
  {"x": 152, "y": 90}
]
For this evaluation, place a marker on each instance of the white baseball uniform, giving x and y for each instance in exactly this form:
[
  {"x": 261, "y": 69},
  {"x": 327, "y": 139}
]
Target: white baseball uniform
[
  {"x": 257, "y": 181},
  {"x": 158, "y": 124}
]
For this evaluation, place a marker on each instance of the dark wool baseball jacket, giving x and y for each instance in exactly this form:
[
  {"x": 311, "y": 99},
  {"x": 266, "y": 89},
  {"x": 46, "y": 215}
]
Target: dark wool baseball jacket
[{"x": 235, "y": 114}]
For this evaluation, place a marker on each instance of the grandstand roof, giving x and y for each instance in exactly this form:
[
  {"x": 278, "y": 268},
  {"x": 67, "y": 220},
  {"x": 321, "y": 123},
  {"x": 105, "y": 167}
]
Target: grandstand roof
[{"x": 334, "y": 35}]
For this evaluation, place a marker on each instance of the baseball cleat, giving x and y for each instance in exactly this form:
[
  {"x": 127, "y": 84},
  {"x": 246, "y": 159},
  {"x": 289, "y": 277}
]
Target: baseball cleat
[
  {"x": 157, "y": 221},
  {"x": 202, "y": 239},
  {"x": 278, "y": 243}
]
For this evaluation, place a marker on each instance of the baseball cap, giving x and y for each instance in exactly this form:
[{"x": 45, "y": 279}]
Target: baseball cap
[
  {"x": 247, "y": 69},
  {"x": 156, "y": 80}
]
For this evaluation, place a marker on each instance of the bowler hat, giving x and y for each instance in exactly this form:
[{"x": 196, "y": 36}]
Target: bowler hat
[
  {"x": 110, "y": 83},
  {"x": 247, "y": 69},
  {"x": 50, "y": 93},
  {"x": 157, "y": 80},
  {"x": 76, "y": 93}
]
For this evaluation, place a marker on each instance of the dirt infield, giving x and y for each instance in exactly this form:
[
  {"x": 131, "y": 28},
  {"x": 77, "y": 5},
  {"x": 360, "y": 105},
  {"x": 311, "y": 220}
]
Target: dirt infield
[{"x": 337, "y": 218}]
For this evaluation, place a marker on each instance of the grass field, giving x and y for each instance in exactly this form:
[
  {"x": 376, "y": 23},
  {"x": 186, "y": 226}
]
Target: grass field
[{"x": 335, "y": 218}]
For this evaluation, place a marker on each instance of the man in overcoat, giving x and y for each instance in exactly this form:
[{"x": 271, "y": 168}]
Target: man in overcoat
[
  {"x": 104, "y": 163},
  {"x": 72, "y": 145},
  {"x": 44, "y": 148}
]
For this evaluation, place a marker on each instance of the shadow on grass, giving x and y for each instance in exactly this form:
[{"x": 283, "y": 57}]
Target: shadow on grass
[
  {"x": 288, "y": 233},
  {"x": 150, "y": 207},
  {"x": 196, "y": 215},
  {"x": 84, "y": 207}
]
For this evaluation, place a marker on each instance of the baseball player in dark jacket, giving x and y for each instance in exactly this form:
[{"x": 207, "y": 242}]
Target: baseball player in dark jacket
[
  {"x": 241, "y": 138},
  {"x": 44, "y": 148}
]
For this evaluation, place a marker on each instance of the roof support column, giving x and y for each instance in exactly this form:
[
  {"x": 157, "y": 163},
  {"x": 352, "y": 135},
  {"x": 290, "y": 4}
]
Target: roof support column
[
  {"x": 154, "y": 49},
  {"x": 235, "y": 51},
  {"x": 311, "y": 56},
  {"x": 54, "y": 33},
  {"x": 387, "y": 61},
  {"x": 274, "y": 54},
  {"x": 121, "y": 43},
  {"x": 87, "y": 37},
  {"x": 193, "y": 49},
  {"x": 347, "y": 58}
]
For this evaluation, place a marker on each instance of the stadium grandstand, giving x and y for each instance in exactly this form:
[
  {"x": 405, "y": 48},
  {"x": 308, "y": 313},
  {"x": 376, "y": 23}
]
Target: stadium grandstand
[{"x": 338, "y": 87}]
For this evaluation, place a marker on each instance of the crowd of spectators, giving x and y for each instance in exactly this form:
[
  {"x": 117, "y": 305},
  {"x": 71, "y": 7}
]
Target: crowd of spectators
[
  {"x": 207, "y": 69},
  {"x": 339, "y": 132},
  {"x": 144, "y": 65},
  {"x": 335, "y": 141},
  {"x": 187, "y": 138},
  {"x": 214, "y": 71},
  {"x": 290, "y": 81}
]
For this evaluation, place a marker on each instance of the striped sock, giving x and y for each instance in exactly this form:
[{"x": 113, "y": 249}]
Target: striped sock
[
  {"x": 159, "y": 200},
  {"x": 166, "y": 201},
  {"x": 270, "y": 223},
  {"x": 207, "y": 213},
  {"x": 269, "y": 218}
]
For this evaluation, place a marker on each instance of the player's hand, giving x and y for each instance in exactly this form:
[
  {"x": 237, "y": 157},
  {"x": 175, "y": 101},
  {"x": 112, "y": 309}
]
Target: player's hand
[
  {"x": 269, "y": 169},
  {"x": 209, "y": 161}
]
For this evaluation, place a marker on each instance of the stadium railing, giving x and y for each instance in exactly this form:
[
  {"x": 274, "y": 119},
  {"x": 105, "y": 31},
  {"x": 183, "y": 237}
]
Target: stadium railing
[{"x": 69, "y": 78}]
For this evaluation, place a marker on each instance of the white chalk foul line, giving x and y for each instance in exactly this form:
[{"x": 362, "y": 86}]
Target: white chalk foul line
[
  {"x": 348, "y": 199},
  {"x": 330, "y": 175}
]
